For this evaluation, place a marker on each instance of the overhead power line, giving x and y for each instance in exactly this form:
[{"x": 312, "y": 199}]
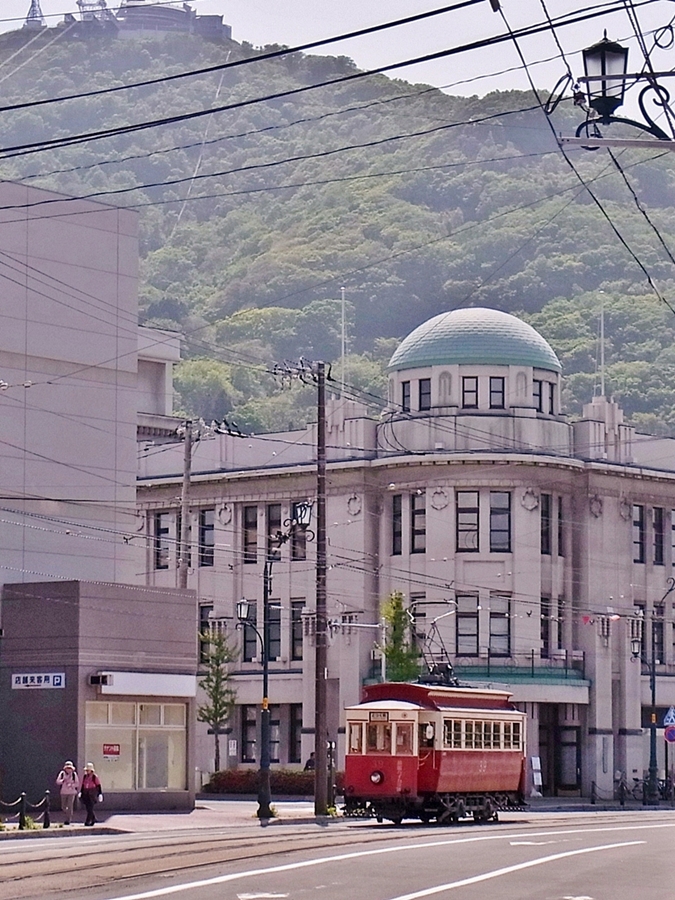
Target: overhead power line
[{"x": 85, "y": 137}]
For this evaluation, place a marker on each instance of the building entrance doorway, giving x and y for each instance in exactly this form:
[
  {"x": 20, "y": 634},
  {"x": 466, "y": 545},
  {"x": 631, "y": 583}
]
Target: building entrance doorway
[{"x": 559, "y": 750}]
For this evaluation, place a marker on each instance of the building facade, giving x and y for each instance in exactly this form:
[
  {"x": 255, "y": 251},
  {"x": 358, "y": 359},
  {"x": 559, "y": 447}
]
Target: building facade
[
  {"x": 530, "y": 550},
  {"x": 79, "y": 381}
]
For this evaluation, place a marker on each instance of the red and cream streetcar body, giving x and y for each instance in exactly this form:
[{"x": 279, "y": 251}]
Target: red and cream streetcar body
[{"x": 433, "y": 752}]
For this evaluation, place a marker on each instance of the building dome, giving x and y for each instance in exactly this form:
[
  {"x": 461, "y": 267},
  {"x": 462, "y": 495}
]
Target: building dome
[{"x": 474, "y": 336}]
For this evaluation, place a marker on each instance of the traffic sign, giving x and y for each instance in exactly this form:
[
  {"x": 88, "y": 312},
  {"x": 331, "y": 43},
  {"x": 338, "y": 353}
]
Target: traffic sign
[
  {"x": 669, "y": 734},
  {"x": 669, "y": 718}
]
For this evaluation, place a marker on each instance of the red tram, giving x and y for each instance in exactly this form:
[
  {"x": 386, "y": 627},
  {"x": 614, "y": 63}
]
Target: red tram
[{"x": 431, "y": 752}]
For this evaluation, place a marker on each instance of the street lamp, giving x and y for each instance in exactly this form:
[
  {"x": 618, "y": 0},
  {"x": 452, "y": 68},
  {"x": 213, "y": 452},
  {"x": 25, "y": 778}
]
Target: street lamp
[
  {"x": 301, "y": 518},
  {"x": 652, "y": 789},
  {"x": 605, "y": 94}
]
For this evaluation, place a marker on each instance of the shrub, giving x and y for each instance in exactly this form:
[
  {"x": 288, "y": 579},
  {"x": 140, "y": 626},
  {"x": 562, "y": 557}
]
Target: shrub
[{"x": 283, "y": 782}]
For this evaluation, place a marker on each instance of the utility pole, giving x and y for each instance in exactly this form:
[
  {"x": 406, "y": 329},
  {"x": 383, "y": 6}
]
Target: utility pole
[
  {"x": 321, "y": 634},
  {"x": 184, "y": 537}
]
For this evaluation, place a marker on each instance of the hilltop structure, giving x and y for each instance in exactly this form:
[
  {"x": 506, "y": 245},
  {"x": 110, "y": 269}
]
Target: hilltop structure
[{"x": 533, "y": 548}]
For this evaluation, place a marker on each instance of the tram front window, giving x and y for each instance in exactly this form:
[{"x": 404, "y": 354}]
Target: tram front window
[
  {"x": 404, "y": 739},
  {"x": 355, "y": 738},
  {"x": 378, "y": 737}
]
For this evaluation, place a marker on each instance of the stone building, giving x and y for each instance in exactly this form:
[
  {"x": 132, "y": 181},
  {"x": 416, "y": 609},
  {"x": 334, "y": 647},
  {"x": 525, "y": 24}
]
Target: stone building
[{"x": 530, "y": 547}]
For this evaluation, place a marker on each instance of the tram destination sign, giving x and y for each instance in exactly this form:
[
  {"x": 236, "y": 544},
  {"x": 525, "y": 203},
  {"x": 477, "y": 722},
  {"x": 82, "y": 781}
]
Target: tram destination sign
[{"x": 35, "y": 680}]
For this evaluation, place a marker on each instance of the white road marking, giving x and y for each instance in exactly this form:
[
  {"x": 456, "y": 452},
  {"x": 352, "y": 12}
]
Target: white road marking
[
  {"x": 497, "y": 873},
  {"x": 357, "y": 854},
  {"x": 261, "y": 896},
  {"x": 531, "y": 843},
  {"x": 577, "y": 898}
]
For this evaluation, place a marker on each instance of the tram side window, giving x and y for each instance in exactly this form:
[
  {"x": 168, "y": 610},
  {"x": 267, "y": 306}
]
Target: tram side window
[
  {"x": 355, "y": 738},
  {"x": 378, "y": 737},
  {"x": 492, "y": 735},
  {"x": 512, "y": 735},
  {"x": 452, "y": 733},
  {"x": 404, "y": 739}
]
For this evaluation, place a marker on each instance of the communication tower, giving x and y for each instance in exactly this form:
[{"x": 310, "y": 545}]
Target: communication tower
[{"x": 35, "y": 20}]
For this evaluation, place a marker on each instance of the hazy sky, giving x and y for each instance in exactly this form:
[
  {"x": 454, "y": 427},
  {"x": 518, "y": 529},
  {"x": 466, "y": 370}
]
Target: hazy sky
[{"x": 293, "y": 22}]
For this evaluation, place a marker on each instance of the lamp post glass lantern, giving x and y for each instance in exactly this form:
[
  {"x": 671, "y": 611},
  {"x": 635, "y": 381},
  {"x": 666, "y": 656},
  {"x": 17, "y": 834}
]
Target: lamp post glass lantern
[{"x": 606, "y": 58}]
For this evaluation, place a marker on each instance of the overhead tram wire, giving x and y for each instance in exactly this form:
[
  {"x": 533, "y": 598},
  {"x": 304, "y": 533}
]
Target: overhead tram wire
[
  {"x": 86, "y": 137},
  {"x": 589, "y": 12},
  {"x": 322, "y": 154}
]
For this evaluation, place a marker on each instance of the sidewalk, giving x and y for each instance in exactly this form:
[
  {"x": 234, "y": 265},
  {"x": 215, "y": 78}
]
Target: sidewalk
[{"x": 228, "y": 813}]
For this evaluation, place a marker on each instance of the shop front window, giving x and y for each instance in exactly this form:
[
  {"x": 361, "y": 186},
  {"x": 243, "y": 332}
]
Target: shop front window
[{"x": 138, "y": 746}]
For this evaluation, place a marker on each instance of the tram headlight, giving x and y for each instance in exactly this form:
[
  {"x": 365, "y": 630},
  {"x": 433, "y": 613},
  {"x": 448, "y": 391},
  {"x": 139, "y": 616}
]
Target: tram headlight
[{"x": 377, "y": 777}]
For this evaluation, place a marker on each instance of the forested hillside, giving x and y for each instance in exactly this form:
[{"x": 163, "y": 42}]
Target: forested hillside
[{"x": 416, "y": 202}]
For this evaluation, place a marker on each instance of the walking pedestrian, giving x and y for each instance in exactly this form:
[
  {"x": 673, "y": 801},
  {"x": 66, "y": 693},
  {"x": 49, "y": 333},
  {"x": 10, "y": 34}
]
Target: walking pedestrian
[
  {"x": 90, "y": 792},
  {"x": 69, "y": 782}
]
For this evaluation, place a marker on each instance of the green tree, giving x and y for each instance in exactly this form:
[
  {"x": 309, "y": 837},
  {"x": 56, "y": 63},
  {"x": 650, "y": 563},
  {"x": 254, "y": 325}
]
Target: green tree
[
  {"x": 220, "y": 697},
  {"x": 399, "y": 650}
]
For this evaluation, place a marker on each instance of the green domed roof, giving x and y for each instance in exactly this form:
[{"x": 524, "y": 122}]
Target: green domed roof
[{"x": 474, "y": 336}]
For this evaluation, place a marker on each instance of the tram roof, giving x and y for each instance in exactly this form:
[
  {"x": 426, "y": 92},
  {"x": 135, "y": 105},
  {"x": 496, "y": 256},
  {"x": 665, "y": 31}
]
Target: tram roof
[{"x": 432, "y": 696}]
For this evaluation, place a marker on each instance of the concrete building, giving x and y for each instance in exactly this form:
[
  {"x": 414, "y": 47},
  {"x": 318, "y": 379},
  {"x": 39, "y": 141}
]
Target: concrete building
[
  {"x": 531, "y": 547},
  {"x": 79, "y": 381}
]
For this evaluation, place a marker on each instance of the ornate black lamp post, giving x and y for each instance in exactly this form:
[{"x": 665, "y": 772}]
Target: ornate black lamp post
[
  {"x": 302, "y": 515},
  {"x": 636, "y": 647},
  {"x": 605, "y": 67}
]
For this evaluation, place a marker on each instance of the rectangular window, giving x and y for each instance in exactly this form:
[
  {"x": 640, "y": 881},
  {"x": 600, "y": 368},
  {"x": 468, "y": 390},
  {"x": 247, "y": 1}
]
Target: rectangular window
[
  {"x": 295, "y": 733},
  {"x": 419, "y": 619},
  {"x": 538, "y": 395},
  {"x": 248, "y": 733},
  {"x": 204, "y": 629},
  {"x": 639, "y": 537},
  {"x": 500, "y": 522},
  {"x": 207, "y": 518},
  {"x": 405, "y": 396},
  {"x": 561, "y": 619},
  {"x": 355, "y": 737},
  {"x": 418, "y": 522},
  {"x": 397, "y": 525},
  {"x": 466, "y": 643},
  {"x": 179, "y": 536},
  {"x": 274, "y": 630},
  {"x": 545, "y": 628},
  {"x": 152, "y": 742},
  {"x": 297, "y": 608},
  {"x": 275, "y": 732},
  {"x": 470, "y": 392},
  {"x": 500, "y": 625},
  {"x": 561, "y": 528},
  {"x": 551, "y": 399},
  {"x": 250, "y": 644},
  {"x": 273, "y": 530},
  {"x": 546, "y": 503},
  {"x": 496, "y": 393},
  {"x": 467, "y": 522},
  {"x": 659, "y": 535},
  {"x": 659, "y": 635},
  {"x": 250, "y": 519},
  {"x": 378, "y": 737},
  {"x": 424, "y": 394},
  {"x": 298, "y": 536},
  {"x": 162, "y": 521}
]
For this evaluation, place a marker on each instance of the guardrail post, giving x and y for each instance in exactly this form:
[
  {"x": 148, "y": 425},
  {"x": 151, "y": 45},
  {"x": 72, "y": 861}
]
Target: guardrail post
[
  {"x": 46, "y": 821},
  {"x": 22, "y": 811}
]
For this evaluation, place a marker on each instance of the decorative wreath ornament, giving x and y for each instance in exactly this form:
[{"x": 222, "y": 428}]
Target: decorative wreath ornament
[
  {"x": 529, "y": 500},
  {"x": 439, "y": 499},
  {"x": 354, "y": 505},
  {"x": 595, "y": 505}
]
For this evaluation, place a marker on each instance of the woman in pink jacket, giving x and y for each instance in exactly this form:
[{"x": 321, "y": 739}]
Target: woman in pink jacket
[
  {"x": 90, "y": 792},
  {"x": 69, "y": 781}
]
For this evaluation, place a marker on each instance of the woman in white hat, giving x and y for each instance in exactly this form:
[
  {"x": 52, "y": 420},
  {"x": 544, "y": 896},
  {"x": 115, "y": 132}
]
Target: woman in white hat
[{"x": 69, "y": 781}]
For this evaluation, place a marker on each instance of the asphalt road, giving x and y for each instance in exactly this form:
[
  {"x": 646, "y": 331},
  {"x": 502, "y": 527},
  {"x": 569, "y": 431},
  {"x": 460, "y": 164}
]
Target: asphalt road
[{"x": 602, "y": 856}]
